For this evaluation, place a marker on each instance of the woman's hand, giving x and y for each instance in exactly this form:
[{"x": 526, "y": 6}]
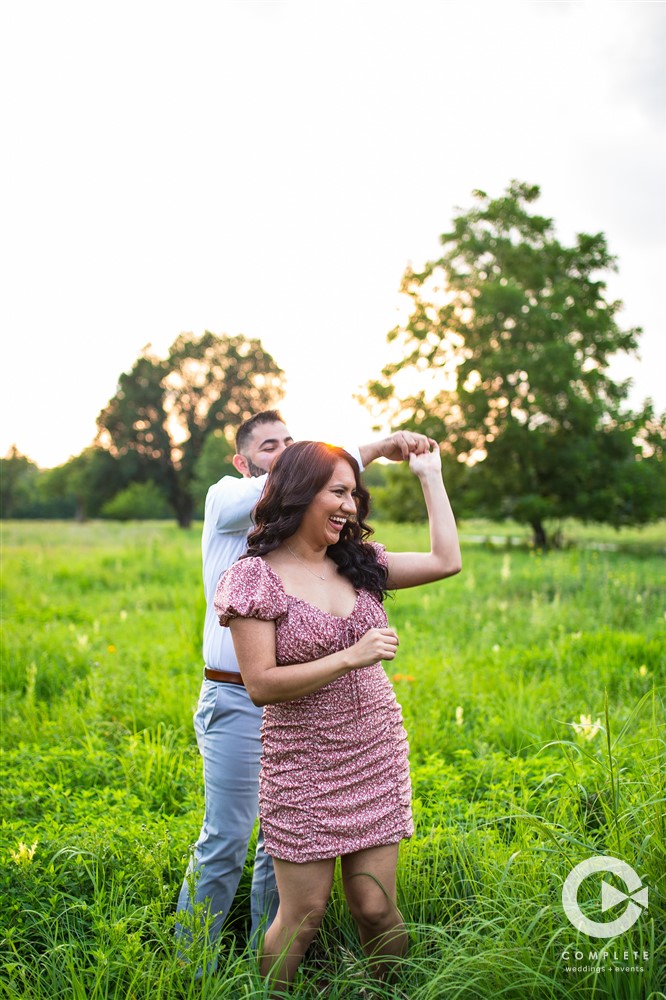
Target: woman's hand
[
  {"x": 427, "y": 463},
  {"x": 377, "y": 644}
]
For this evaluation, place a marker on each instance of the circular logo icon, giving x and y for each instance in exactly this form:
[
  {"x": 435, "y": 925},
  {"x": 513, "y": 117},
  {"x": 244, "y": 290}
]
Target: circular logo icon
[{"x": 636, "y": 898}]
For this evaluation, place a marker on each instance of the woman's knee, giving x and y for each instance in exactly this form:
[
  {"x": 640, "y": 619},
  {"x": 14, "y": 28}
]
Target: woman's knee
[
  {"x": 304, "y": 916},
  {"x": 373, "y": 910}
]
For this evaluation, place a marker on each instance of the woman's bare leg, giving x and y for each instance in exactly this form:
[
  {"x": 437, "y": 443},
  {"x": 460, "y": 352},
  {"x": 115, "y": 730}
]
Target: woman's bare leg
[
  {"x": 368, "y": 878},
  {"x": 304, "y": 891}
]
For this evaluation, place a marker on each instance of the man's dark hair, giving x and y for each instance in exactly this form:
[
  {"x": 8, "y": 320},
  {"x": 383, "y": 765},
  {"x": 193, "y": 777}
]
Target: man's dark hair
[
  {"x": 295, "y": 478},
  {"x": 244, "y": 432}
]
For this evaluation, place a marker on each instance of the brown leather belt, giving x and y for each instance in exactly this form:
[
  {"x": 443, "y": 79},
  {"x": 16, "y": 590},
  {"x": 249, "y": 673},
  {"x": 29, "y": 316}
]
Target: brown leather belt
[{"x": 224, "y": 676}]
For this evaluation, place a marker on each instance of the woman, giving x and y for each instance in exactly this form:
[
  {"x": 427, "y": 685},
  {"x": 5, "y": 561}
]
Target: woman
[{"x": 306, "y": 616}]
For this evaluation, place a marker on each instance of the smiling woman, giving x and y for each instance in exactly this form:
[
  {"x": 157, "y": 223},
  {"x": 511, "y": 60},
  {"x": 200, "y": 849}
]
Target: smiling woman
[
  {"x": 313, "y": 512},
  {"x": 305, "y": 610}
]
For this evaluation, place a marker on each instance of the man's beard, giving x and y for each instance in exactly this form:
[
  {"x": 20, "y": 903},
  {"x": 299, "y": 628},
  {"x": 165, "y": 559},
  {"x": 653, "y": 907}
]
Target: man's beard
[{"x": 254, "y": 469}]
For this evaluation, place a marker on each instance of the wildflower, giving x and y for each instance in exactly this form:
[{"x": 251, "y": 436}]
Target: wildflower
[
  {"x": 82, "y": 641},
  {"x": 642, "y": 670},
  {"x": 24, "y": 854},
  {"x": 111, "y": 648},
  {"x": 496, "y": 648},
  {"x": 586, "y": 728},
  {"x": 459, "y": 715},
  {"x": 403, "y": 677},
  {"x": 123, "y": 615}
]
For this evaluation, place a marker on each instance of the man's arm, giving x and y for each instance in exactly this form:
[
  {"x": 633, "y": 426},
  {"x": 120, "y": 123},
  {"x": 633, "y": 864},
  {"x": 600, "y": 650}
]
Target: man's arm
[
  {"x": 396, "y": 447},
  {"x": 230, "y": 502}
]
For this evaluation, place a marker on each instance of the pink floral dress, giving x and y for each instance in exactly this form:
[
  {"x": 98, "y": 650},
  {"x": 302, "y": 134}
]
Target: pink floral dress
[{"x": 334, "y": 768}]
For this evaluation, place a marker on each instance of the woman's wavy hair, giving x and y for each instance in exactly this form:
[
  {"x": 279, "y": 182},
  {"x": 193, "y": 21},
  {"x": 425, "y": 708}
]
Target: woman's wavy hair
[{"x": 295, "y": 478}]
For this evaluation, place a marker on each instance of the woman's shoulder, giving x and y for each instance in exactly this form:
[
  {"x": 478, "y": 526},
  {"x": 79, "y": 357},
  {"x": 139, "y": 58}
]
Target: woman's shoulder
[
  {"x": 251, "y": 566},
  {"x": 250, "y": 589}
]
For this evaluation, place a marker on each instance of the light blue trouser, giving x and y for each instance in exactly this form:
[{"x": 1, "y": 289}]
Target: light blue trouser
[{"x": 227, "y": 727}]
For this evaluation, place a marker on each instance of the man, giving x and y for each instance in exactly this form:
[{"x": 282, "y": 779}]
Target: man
[{"x": 226, "y": 721}]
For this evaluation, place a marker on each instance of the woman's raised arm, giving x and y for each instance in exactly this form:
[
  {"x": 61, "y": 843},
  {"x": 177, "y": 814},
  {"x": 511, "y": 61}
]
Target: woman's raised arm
[{"x": 410, "y": 569}]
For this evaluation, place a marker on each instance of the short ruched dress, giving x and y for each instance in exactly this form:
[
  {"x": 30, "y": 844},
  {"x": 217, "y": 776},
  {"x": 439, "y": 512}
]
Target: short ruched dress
[{"x": 334, "y": 768}]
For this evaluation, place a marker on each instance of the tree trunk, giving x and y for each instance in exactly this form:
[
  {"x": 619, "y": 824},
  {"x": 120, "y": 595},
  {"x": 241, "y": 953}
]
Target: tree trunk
[
  {"x": 184, "y": 508},
  {"x": 539, "y": 538}
]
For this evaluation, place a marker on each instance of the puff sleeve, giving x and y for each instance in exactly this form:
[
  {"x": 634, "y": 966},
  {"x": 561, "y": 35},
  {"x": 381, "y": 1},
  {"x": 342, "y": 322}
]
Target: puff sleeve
[
  {"x": 380, "y": 553},
  {"x": 249, "y": 589}
]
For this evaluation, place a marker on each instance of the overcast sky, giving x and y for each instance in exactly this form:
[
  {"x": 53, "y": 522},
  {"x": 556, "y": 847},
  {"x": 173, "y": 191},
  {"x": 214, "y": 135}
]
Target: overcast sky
[{"x": 270, "y": 168}]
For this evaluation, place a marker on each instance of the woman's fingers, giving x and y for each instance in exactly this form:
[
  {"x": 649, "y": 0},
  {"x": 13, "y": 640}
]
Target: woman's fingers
[{"x": 390, "y": 643}]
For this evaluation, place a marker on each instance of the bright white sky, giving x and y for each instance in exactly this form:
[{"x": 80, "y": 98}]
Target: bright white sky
[{"x": 270, "y": 168}]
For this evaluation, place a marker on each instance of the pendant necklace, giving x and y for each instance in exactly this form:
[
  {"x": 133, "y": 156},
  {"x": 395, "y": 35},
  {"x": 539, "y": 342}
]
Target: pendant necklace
[{"x": 301, "y": 561}]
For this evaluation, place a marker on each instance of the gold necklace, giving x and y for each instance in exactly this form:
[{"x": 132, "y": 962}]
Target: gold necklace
[{"x": 301, "y": 561}]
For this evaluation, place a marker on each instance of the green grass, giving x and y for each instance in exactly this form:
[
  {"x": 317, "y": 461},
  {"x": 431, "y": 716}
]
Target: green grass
[{"x": 101, "y": 669}]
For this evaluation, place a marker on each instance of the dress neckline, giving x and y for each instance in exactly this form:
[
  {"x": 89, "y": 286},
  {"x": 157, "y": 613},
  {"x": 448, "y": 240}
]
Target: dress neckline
[{"x": 309, "y": 604}]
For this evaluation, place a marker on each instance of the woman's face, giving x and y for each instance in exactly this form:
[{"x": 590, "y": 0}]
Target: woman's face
[{"x": 330, "y": 509}]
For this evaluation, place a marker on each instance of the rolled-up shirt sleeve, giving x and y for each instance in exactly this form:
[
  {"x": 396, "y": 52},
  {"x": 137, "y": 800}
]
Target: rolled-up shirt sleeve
[{"x": 354, "y": 451}]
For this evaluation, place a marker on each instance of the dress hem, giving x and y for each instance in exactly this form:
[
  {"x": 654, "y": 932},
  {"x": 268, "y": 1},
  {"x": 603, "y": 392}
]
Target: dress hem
[{"x": 318, "y": 856}]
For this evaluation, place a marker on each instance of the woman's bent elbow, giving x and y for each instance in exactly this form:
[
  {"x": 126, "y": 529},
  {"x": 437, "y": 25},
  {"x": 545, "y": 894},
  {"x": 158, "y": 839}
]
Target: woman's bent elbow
[
  {"x": 256, "y": 693},
  {"x": 262, "y": 695},
  {"x": 450, "y": 567},
  {"x": 257, "y": 698}
]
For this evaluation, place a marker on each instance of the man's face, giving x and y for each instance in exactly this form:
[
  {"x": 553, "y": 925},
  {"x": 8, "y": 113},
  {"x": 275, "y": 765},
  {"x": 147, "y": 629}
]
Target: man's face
[{"x": 266, "y": 442}]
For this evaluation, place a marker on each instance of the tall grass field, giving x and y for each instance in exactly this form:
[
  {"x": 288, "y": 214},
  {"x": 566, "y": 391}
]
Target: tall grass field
[{"x": 532, "y": 687}]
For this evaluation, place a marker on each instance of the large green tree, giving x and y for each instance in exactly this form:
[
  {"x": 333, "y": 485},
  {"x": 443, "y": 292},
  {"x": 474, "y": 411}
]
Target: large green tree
[
  {"x": 165, "y": 409},
  {"x": 505, "y": 358}
]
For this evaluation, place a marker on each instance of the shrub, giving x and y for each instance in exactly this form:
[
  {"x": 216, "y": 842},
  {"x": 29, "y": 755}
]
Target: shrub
[{"x": 139, "y": 502}]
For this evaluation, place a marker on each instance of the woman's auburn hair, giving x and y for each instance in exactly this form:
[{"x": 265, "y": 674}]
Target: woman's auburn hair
[{"x": 295, "y": 478}]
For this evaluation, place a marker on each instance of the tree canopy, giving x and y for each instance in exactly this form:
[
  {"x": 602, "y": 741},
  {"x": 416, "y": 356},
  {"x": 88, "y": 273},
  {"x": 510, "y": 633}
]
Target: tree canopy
[
  {"x": 508, "y": 345},
  {"x": 17, "y": 478},
  {"x": 157, "y": 423}
]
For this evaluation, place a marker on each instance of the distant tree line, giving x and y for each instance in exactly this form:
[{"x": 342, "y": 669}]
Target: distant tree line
[
  {"x": 166, "y": 435},
  {"x": 504, "y": 359}
]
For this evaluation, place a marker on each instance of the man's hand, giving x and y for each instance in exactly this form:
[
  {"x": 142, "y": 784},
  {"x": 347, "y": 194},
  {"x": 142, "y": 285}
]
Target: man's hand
[{"x": 397, "y": 447}]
